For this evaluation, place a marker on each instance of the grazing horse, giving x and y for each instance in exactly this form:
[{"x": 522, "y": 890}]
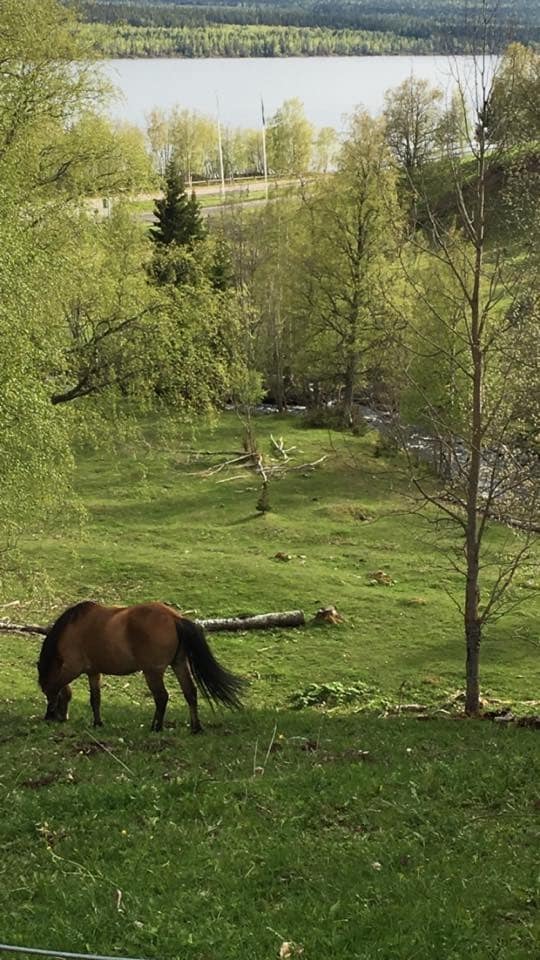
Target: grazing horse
[{"x": 93, "y": 639}]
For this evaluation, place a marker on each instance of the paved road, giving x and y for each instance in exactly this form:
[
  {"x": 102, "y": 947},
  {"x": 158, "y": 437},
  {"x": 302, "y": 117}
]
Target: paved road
[
  {"x": 213, "y": 211},
  {"x": 214, "y": 189}
]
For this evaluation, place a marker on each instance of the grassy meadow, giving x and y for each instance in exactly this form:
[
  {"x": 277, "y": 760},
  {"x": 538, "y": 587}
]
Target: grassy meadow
[{"x": 320, "y": 816}]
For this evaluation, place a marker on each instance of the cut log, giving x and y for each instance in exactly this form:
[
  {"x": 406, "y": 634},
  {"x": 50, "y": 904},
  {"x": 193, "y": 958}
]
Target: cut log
[{"x": 261, "y": 621}]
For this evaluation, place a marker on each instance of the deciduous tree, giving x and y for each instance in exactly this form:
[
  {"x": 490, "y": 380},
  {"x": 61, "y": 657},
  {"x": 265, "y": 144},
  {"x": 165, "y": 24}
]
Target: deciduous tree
[
  {"x": 411, "y": 114},
  {"x": 481, "y": 314},
  {"x": 351, "y": 232},
  {"x": 290, "y": 140}
]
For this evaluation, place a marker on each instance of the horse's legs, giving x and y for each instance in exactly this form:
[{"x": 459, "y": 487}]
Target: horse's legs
[
  {"x": 94, "y": 682},
  {"x": 154, "y": 679},
  {"x": 189, "y": 690}
]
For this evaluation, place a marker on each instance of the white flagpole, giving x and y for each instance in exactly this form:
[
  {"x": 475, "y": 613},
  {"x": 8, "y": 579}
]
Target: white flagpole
[
  {"x": 265, "y": 165},
  {"x": 220, "y": 149}
]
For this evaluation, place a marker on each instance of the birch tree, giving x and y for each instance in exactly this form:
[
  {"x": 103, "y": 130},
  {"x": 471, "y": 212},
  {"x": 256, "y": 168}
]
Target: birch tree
[
  {"x": 484, "y": 326},
  {"x": 345, "y": 259}
]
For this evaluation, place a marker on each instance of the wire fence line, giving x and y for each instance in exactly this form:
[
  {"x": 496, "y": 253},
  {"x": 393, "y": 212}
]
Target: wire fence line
[{"x": 9, "y": 948}]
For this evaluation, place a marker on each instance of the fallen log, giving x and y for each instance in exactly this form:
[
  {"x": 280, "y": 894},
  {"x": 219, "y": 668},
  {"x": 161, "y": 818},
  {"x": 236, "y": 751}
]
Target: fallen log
[{"x": 261, "y": 621}]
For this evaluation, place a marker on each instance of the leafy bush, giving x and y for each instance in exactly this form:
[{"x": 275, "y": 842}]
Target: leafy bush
[{"x": 333, "y": 695}]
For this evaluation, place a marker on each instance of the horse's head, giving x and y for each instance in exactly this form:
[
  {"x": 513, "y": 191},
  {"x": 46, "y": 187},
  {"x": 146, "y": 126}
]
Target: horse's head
[
  {"x": 51, "y": 668},
  {"x": 49, "y": 677},
  {"x": 57, "y": 707},
  {"x": 48, "y": 673}
]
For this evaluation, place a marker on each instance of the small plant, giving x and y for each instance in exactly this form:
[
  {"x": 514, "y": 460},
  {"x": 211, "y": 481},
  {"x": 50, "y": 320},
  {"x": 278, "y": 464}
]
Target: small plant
[
  {"x": 322, "y": 417},
  {"x": 332, "y": 695},
  {"x": 387, "y": 445}
]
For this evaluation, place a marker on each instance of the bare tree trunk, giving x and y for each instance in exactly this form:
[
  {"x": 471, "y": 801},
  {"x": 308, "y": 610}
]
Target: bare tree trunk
[
  {"x": 474, "y": 528},
  {"x": 473, "y": 636},
  {"x": 279, "y": 388},
  {"x": 351, "y": 373},
  {"x": 348, "y": 392},
  {"x": 473, "y": 625}
]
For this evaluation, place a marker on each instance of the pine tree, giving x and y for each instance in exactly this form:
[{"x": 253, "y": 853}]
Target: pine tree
[{"x": 178, "y": 217}]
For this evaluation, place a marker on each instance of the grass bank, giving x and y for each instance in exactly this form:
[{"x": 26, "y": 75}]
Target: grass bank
[{"x": 350, "y": 835}]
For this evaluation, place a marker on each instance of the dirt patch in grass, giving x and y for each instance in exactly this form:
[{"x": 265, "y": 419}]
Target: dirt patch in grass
[{"x": 43, "y": 781}]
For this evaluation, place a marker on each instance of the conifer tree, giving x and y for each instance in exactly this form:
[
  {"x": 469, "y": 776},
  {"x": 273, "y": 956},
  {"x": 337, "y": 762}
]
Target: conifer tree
[{"x": 178, "y": 216}]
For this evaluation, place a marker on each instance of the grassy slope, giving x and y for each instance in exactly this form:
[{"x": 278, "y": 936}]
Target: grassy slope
[
  {"x": 512, "y": 187},
  {"x": 212, "y": 860}
]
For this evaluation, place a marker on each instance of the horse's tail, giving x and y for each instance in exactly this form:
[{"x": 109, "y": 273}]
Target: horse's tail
[
  {"x": 216, "y": 683},
  {"x": 49, "y": 647}
]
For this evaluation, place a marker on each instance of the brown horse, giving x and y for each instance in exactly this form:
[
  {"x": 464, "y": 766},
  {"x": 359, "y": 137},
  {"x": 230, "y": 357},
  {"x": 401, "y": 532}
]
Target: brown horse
[{"x": 93, "y": 639}]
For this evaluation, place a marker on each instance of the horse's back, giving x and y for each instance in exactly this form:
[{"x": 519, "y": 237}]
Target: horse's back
[
  {"x": 121, "y": 640},
  {"x": 144, "y": 635}
]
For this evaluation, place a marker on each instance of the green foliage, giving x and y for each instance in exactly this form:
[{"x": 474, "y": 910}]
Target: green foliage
[
  {"x": 289, "y": 139},
  {"x": 112, "y": 331},
  {"x": 104, "y": 158},
  {"x": 514, "y": 111},
  {"x": 85, "y": 334},
  {"x": 334, "y": 695},
  {"x": 35, "y": 455},
  {"x": 411, "y": 116},
  {"x": 437, "y": 367},
  {"x": 41, "y": 92},
  {"x": 343, "y": 265}
]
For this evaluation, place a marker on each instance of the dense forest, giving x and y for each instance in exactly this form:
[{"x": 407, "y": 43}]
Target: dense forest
[{"x": 305, "y": 28}]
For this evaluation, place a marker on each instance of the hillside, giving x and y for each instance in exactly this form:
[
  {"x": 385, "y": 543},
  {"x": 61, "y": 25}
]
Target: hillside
[
  {"x": 325, "y": 828},
  {"x": 159, "y": 528}
]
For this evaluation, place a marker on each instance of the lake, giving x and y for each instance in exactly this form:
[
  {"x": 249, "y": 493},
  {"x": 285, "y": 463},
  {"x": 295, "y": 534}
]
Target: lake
[{"x": 330, "y": 87}]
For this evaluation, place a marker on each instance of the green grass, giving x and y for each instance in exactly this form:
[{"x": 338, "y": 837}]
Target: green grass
[
  {"x": 355, "y": 836},
  {"x": 512, "y": 189}
]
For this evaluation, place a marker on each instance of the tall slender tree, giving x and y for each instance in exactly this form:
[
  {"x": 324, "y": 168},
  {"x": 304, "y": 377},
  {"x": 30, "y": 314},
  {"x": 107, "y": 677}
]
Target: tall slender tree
[
  {"x": 346, "y": 258},
  {"x": 482, "y": 305}
]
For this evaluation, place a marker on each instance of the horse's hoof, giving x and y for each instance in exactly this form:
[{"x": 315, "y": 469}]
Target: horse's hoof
[
  {"x": 195, "y": 730},
  {"x": 98, "y": 723}
]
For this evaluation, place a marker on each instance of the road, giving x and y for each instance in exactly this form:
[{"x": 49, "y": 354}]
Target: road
[{"x": 212, "y": 211}]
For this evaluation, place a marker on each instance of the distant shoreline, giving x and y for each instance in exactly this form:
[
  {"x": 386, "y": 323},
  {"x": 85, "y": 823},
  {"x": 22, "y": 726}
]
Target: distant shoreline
[{"x": 292, "y": 56}]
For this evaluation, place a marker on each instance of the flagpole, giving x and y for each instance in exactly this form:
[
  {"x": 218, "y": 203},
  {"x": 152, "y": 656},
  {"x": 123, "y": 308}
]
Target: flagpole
[
  {"x": 220, "y": 149},
  {"x": 265, "y": 165}
]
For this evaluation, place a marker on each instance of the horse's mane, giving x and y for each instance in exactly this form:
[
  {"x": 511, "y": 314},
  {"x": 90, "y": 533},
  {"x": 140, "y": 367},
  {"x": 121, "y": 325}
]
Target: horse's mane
[{"x": 48, "y": 649}]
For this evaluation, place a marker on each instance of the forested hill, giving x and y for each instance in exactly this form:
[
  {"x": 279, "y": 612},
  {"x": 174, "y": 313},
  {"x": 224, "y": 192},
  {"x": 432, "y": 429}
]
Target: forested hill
[{"x": 277, "y": 28}]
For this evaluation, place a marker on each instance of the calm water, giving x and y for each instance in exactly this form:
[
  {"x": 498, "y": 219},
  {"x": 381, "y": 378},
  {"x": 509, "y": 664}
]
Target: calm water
[{"x": 330, "y": 87}]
